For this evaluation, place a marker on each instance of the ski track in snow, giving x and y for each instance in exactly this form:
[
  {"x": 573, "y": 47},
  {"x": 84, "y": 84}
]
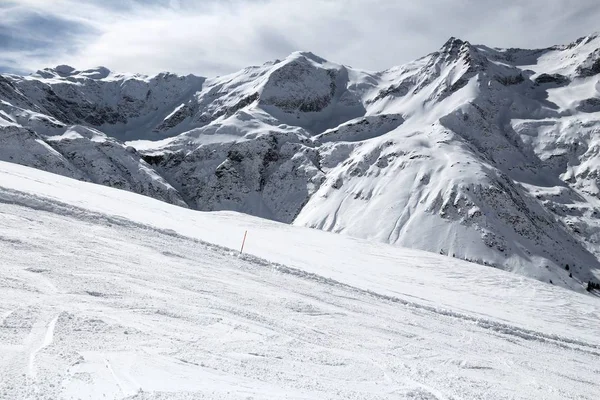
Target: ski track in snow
[
  {"x": 47, "y": 285},
  {"x": 143, "y": 312},
  {"x": 47, "y": 341},
  {"x": 129, "y": 388},
  {"x": 81, "y": 213}
]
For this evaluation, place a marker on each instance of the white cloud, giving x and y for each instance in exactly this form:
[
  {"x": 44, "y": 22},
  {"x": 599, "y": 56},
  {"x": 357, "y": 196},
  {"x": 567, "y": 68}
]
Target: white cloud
[{"x": 215, "y": 37}]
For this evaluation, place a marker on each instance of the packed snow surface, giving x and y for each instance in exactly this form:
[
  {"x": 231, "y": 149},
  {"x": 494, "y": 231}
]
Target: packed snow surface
[{"x": 106, "y": 294}]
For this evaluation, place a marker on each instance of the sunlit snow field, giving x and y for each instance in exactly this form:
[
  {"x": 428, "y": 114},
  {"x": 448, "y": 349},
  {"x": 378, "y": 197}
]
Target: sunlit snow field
[{"x": 105, "y": 294}]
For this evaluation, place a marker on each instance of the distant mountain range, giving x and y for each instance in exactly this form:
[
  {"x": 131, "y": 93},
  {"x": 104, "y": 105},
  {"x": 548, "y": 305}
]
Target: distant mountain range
[{"x": 484, "y": 154}]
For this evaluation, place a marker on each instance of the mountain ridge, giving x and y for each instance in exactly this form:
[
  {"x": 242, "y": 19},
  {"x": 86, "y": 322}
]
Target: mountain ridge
[{"x": 489, "y": 155}]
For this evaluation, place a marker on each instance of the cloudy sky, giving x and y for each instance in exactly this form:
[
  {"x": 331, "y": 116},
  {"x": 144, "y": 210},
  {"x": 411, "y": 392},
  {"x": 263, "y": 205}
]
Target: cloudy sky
[{"x": 213, "y": 37}]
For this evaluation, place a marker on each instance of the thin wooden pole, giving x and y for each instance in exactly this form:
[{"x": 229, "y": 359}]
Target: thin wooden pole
[{"x": 243, "y": 241}]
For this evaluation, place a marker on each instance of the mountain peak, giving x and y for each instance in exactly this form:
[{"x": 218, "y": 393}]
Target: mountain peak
[
  {"x": 307, "y": 55},
  {"x": 454, "y": 43},
  {"x": 65, "y": 71},
  {"x": 96, "y": 73},
  {"x": 456, "y": 48},
  {"x": 587, "y": 39}
]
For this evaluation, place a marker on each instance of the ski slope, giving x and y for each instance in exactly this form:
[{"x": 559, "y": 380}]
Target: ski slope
[{"x": 105, "y": 294}]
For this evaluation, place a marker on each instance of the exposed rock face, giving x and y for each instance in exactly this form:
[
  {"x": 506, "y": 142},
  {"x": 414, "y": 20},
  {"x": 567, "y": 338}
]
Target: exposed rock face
[
  {"x": 490, "y": 155},
  {"x": 272, "y": 176}
]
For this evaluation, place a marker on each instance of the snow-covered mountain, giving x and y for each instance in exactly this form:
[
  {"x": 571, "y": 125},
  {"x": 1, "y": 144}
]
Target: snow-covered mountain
[{"x": 488, "y": 155}]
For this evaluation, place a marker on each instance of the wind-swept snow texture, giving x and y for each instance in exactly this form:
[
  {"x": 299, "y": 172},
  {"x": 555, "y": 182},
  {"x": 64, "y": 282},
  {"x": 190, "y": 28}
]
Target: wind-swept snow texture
[
  {"x": 106, "y": 294},
  {"x": 487, "y": 155}
]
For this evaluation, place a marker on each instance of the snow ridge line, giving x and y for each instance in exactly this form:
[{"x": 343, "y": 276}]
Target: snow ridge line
[{"x": 24, "y": 199}]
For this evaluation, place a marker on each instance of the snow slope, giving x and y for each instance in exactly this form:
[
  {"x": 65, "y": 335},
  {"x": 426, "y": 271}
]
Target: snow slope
[
  {"x": 110, "y": 295},
  {"x": 487, "y": 155}
]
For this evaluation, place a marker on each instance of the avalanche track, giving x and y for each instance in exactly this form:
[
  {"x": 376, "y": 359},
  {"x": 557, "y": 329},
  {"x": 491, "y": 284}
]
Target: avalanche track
[{"x": 97, "y": 305}]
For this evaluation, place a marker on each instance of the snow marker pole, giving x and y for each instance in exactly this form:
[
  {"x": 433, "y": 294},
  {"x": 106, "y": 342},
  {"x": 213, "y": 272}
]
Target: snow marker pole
[{"x": 243, "y": 241}]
